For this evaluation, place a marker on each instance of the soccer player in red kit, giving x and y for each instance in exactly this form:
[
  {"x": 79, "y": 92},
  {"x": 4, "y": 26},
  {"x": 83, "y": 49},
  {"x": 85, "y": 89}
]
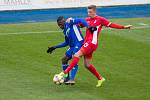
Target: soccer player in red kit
[{"x": 91, "y": 42}]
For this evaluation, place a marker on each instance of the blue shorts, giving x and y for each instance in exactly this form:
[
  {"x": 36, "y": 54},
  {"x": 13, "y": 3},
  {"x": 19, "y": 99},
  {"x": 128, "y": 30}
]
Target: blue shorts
[{"x": 72, "y": 50}]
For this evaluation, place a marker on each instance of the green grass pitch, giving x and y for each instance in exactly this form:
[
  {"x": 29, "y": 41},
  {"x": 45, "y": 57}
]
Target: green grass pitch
[{"x": 26, "y": 70}]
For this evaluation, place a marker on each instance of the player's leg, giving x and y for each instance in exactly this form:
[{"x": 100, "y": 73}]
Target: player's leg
[
  {"x": 72, "y": 75},
  {"x": 74, "y": 62},
  {"x": 85, "y": 49},
  {"x": 92, "y": 69},
  {"x": 70, "y": 52},
  {"x": 73, "y": 72},
  {"x": 65, "y": 60},
  {"x": 75, "y": 68}
]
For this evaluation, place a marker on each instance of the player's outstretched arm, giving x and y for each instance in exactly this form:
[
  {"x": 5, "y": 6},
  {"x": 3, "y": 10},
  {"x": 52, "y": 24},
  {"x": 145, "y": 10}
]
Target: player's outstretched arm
[
  {"x": 81, "y": 21},
  {"x": 107, "y": 23},
  {"x": 78, "y": 21},
  {"x": 117, "y": 26},
  {"x": 64, "y": 44},
  {"x": 51, "y": 49}
]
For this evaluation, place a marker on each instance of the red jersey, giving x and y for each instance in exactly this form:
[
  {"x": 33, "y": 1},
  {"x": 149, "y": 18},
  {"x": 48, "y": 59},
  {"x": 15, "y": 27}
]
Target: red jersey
[{"x": 98, "y": 22}]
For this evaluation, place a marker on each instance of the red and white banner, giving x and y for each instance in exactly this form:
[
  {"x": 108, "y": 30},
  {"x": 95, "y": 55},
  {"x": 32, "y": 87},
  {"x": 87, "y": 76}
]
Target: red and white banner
[{"x": 46, "y": 4}]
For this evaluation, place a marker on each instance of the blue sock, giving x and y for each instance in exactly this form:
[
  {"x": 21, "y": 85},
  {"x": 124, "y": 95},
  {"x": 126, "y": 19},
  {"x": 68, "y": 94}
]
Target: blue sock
[
  {"x": 73, "y": 72},
  {"x": 64, "y": 67}
]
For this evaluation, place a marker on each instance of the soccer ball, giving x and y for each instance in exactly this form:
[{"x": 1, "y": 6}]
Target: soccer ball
[{"x": 58, "y": 80}]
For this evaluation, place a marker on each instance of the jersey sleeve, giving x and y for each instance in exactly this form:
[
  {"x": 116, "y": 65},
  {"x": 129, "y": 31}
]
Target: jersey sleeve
[
  {"x": 64, "y": 44},
  {"x": 117, "y": 26},
  {"x": 105, "y": 22},
  {"x": 79, "y": 21}
]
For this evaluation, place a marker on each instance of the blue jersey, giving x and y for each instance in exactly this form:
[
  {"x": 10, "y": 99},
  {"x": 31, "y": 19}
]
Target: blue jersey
[{"x": 72, "y": 33}]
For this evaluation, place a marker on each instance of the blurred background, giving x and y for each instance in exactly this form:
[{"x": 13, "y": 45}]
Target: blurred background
[
  {"x": 28, "y": 27},
  {"x": 16, "y": 11}
]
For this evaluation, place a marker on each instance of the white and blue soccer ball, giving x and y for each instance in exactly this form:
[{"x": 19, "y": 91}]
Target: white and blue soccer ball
[{"x": 58, "y": 79}]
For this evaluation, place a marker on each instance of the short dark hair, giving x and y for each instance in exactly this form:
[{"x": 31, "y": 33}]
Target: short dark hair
[
  {"x": 60, "y": 18},
  {"x": 92, "y": 7}
]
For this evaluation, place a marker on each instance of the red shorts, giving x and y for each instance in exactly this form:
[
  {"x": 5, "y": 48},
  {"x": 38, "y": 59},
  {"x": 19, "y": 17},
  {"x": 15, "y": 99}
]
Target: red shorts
[{"x": 88, "y": 48}]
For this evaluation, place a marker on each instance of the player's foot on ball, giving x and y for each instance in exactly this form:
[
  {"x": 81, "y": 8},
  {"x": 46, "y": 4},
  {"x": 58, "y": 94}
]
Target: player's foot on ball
[
  {"x": 99, "y": 84},
  {"x": 63, "y": 75},
  {"x": 70, "y": 82}
]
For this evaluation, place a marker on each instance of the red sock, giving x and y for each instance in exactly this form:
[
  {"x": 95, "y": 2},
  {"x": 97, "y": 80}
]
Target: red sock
[
  {"x": 93, "y": 70},
  {"x": 74, "y": 62}
]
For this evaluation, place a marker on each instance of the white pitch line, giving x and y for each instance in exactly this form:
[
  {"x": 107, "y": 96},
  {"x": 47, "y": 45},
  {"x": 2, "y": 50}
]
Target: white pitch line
[
  {"x": 140, "y": 27},
  {"x": 16, "y": 33},
  {"x": 143, "y": 24}
]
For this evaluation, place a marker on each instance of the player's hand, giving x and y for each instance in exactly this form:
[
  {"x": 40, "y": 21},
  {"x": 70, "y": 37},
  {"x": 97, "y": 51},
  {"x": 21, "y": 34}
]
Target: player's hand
[
  {"x": 50, "y": 49},
  {"x": 92, "y": 29},
  {"x": 127, "y": 27}
]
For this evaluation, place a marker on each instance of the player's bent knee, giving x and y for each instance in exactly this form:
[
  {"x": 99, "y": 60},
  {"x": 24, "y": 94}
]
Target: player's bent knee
[
  {"x": 78, "y": 54},
  {"x": 86, "y": 65},
  {"x": 64, "y": 60}
]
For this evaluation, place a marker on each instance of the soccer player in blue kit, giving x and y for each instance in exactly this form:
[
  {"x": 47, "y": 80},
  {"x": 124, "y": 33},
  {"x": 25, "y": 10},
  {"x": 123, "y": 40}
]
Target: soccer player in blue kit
[{"x": 73, "y": 39}]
